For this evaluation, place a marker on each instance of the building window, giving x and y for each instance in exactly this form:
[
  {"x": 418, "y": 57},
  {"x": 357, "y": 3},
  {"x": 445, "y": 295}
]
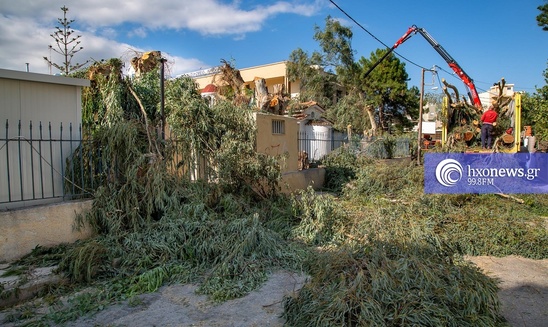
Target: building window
[{"x": 278, "y": 126}]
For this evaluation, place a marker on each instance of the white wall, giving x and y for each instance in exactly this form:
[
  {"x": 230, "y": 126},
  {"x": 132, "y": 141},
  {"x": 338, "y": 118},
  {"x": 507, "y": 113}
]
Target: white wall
[{"x": 29, "y": 98}]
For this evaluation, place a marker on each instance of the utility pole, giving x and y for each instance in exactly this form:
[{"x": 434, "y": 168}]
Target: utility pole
[
  {"x": 419, "y": 130},
  {"x": 162, "y": 98},
  {"x": 421, "y": 104}
]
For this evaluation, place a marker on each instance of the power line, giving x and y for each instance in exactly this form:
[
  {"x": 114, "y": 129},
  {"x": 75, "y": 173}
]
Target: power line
[
  {"x": 373, "y": 36},
  {"x": 452, "y": 74},
  {"x": 378, "y": 40}
]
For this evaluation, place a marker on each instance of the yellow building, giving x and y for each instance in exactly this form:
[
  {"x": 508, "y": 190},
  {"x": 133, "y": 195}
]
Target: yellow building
[
  {"x": 276, "y": 134},
  {"x": 274, "y": 73}
]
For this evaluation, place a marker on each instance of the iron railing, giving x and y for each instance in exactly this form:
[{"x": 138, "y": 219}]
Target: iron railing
[
  {"x": 44, "y": 162},
  {"x": 50, "y": 162},
  {"x": 33, "y": 161},
  {"x": 319, "y": 144}
]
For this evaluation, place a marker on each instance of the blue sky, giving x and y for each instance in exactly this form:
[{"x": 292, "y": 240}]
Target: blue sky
[{"x": 490, "y": 39}]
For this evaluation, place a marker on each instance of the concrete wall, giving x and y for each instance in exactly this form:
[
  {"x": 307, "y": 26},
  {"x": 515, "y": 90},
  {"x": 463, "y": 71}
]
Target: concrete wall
[
  {"x": 299, "y": 180},
  {"x": 278, "y": 144},
  {"x": 22, "y": 230}
]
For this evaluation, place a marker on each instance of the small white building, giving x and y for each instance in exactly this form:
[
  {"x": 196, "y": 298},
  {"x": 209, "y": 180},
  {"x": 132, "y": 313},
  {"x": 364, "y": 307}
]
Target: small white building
[
  {"x": 316, "y": 135},
  {"x": 40, "y": 117}
]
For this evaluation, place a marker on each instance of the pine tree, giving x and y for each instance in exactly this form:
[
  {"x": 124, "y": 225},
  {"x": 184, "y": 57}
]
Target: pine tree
[{"x": 67, "y": 45}]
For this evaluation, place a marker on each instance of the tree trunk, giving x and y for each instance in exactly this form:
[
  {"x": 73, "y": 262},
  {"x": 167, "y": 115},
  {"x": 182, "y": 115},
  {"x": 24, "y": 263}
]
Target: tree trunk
[
  {"x": 261, "y": 94},
  {"x": 279, "y": 89},
  {"x": 370, "y": 110},
  {"x": 382, "y": 120}
]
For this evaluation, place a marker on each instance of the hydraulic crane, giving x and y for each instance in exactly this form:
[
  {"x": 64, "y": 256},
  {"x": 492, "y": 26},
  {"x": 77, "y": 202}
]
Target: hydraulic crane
[{"x": 473, "y": 93}]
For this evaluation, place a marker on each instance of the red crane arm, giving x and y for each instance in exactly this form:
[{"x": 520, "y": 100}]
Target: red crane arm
[{"x": 473, "y": 94}]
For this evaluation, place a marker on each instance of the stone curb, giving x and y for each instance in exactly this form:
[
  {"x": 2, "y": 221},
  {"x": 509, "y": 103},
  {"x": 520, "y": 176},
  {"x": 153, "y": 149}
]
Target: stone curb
[{"x": 21, "y": 288}]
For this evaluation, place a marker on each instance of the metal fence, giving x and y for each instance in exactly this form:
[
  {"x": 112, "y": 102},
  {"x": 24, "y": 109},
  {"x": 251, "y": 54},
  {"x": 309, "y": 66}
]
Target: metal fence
[
  {"x": 319, "y": 144},
  {"x": 33, "y": 161},
  {"x": 44, "y": 162},
  {"x": 386, "y": 148}
]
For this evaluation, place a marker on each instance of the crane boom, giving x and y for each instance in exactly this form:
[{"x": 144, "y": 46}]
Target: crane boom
[{"x": 473, "y": 94}]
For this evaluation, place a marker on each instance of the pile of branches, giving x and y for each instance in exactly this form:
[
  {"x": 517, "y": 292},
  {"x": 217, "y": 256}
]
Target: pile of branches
[
  {"x": 152, "y": 222},
  {"x": 393, "y": 284}
]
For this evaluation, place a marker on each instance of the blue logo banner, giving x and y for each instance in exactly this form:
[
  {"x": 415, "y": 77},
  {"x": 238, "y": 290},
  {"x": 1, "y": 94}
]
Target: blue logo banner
[{"x": 486, "y": 173}]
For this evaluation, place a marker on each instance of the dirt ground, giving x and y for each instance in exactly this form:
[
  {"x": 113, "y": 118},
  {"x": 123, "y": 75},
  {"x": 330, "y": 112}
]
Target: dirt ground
[
  {"x": 523, "y": 293},
  {"x": 523, "y": 288},
  {"x": 179, "y": 305}
]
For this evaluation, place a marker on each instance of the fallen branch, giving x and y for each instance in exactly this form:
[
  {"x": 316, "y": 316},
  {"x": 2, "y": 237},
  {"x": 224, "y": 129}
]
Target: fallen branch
[
  {"x": 518, "y": 200},
  {"x": 145, "y": 118}
]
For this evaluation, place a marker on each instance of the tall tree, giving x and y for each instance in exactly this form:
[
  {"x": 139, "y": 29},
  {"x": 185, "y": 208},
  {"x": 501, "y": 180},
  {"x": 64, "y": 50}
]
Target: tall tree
[
  {"x": 542, "y": 18},
  {"x": 335, "y": 41},
  {"x": 387, "y": 90},
  {"x": 535, "y": 106},
  {"x": 367, "y": 100},
  {"x": 66, "y": 45},
  {"x": 315, "y": 83},
  {"x": 535, "y": 110}
]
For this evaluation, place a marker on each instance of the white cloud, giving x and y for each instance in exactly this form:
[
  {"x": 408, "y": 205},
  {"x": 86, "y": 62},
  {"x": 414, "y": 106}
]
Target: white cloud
[
  {"x": 25, "y": 26},
  {"x": 138, "y": 32},
  {"x": 109, "y": 33},
  {"x": 205, "y": 16}
]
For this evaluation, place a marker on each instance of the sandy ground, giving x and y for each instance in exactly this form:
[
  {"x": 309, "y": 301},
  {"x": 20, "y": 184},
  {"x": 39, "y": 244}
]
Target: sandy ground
[
  {"x": 523, "y": 288},
  {"x": 179, "y": 305},
  {"x": 523, "y": 294}
]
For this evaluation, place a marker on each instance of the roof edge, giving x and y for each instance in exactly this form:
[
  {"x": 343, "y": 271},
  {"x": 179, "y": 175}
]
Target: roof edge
[{"x": 42, "y": 78}]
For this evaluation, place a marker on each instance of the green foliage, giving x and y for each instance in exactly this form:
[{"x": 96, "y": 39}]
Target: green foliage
[
  {"x": 401, "y": 264},
  {"x": 387, "y": 91},
  {"x": 391, "y": 196},
  {"x": 535, "y": 110},
  {"x": 224, "y": 136},
  {"x": 381, "y": 148},
  {"x": 321, "y": 219},
  {"x": 394, "y": 284},
  {"x": 542, "y": 18},
  {"x": 335, "y": 41},
  {"x": 136, "y": 184},
  {"x": 147, "y": 86},
  {"x": 315, "y": 84},
  {"x": 382, "y": 240},
  {"x": 362, "y": 101},
  {"x": 350, "y": 110},
  {"x": 487, "y": 225},
  {"x": 102, "y": 102},
  {"x": 341, "y": 167},
  {"x": 382, "y": 254},
  {"x": 228, "y": 239},
  {"x": 389, "y": 179},
  {"x": 84, "y": 263}
]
